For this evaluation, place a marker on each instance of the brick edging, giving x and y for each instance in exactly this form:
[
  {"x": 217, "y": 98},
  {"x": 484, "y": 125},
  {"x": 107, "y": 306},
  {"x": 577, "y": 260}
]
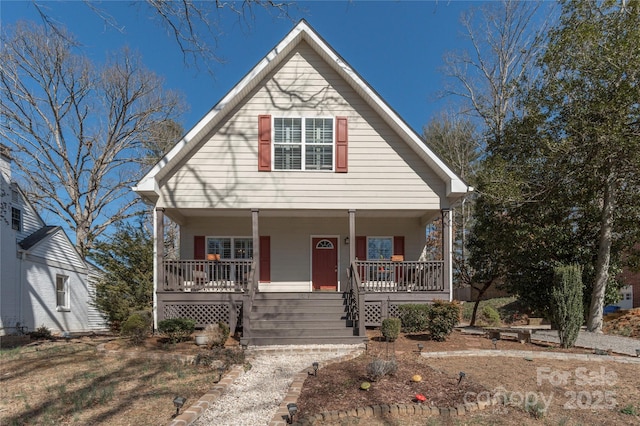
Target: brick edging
[{"x": 195, "y": 410}]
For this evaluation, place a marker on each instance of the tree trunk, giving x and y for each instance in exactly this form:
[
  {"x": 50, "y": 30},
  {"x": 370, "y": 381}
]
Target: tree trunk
[
  {"x": 481, "y": 293},
  {"x": 594, "y": 323}
]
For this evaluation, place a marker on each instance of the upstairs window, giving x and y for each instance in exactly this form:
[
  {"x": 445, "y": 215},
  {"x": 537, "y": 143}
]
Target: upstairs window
[
  {"x": 16, "y": 219},
  {"x": 298, "y": 149}
]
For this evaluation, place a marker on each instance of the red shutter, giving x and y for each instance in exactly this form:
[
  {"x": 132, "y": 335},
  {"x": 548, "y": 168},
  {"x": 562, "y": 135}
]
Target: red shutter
[
  {"x": 264, "y": 143},
  {"x": 265, "y": 258},
  {"x": 341, "y": 144},
  {"x": 398, "y": 245},
  {"x": 361, "y": 248},
  {"x": 198, "y": 247}
]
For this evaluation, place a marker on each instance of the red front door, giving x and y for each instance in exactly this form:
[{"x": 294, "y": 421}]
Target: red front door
[{"x": 324, "y": 263}]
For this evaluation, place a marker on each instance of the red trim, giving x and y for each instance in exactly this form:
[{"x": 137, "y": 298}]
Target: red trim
[
  {"x": 342, "y": 145},
  {"x": 361, "y": 248},
  {"x": 198, "y": 247},
  {"x": 264, "y": 143},
  {"x": 265, "y": 258}
]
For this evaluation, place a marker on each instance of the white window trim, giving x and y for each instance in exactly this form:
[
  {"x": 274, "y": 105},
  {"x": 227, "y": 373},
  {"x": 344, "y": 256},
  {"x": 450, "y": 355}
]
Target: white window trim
[
  {"x": 303, "y": 144},
  {"x": 66, "y": 307}
]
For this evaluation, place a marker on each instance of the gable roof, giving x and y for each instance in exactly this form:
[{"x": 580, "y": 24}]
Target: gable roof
[
  {"x": 148, "y": 185},
  {"x": 38, "y": 236}
]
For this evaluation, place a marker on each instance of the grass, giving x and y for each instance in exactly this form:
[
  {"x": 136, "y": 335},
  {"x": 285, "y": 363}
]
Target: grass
[{"x": 509, "y": 308}]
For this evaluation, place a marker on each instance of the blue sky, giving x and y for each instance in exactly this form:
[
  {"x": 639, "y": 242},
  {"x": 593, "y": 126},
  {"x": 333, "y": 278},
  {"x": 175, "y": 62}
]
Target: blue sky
[{"x": 397, "y": 46}]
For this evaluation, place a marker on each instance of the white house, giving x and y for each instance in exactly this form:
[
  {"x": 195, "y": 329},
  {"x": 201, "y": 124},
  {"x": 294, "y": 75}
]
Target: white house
[
  {"x": 43, "y": 279},
  {"x": 300, "y": 192}
]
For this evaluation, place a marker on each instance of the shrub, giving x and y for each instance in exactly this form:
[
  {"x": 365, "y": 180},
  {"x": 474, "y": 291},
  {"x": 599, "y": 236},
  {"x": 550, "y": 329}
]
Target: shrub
[
  {"x": 490, "y": 315},
  {"x": 566, "y": 302},
  {"x": 390, "y": 329},
  {"x": 217, "y": 334},
  {"x": 177, "y": 329},
  {"x": 41, "y": 333},
  {"x": 378, "y": 368},
  {"x": 136, "y": 327},
  {"x": 414, "y": 317},
  {"x": 443, "y": 317}
]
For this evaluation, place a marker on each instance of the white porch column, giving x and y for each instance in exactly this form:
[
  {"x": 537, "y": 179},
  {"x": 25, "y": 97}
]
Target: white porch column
[
  {"x": 158, "y": 257},
  {"x": 352, "y": 236},
  {"x": 447, "y": 250},
  {"x": 255, "y": 232}
]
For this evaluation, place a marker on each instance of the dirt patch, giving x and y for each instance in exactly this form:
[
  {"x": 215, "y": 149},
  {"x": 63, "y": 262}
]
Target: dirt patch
[
  {"x": 60, "y": 382},
  {"x": 534, "y": 390}
]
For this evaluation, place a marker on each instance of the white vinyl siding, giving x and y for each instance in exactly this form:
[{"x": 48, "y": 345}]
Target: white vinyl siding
[{"x": 384, "y": 172}]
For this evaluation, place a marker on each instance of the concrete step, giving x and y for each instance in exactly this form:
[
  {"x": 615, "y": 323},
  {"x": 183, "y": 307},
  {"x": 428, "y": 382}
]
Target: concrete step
[{"x": 315, "y": 340}]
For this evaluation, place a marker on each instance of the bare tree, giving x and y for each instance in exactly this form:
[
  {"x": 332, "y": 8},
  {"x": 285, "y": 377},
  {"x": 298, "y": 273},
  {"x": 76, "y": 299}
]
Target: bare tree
[
  {"x": 506, "y": 38},
  {"x": 194, "y": 26},
  {"x": 76, "y": 129}
]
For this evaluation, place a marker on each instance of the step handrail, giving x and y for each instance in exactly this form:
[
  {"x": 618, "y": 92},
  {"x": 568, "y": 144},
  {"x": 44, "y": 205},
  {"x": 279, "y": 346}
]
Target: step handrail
[
  {"x": 247, "y": 305},
  {"x": 355, "y": 295}
]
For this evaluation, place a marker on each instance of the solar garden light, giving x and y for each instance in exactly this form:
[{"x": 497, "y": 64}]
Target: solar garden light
[
  {"x": 220, "y": 372},
  {"x": 315, "y": 366},
  {"x": 638, "y": 353},
  {"x": 461, "y": 377},
  {"x": 293, "y": 409},
  {"x": 495, "y": 343},
  {"x": 420, "y": 348},
  {"x": 179, "y": 401}
]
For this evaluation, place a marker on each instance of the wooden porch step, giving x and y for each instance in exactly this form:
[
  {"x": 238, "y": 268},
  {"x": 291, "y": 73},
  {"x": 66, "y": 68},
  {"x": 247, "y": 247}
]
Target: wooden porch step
[
  {"x": 304, "y": 325},
  {"x": 300, "y": 318}
]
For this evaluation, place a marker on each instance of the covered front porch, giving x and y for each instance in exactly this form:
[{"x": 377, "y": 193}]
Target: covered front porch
[{"x": 372, "y": 261}]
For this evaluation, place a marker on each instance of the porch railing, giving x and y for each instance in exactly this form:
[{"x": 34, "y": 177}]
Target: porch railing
[
  {"x": 206, "y": 275},
  {"x": 389, "y": 276}
]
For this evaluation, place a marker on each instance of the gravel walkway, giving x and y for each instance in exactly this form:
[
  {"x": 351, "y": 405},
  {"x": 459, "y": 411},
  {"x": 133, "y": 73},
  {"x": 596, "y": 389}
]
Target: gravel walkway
[
  {"x": 254, "y": 397},
  {"x": 617, "y": 344}
]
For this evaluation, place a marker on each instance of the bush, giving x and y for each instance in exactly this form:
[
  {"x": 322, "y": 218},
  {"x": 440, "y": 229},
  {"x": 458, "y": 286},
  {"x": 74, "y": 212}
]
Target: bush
[
  {"x": 217, "y": 334},
  {"x": 490, "y": 315},
  {"x": 443, "y": 317},
  {"x": 41, "y": 333},
  {"x": 391, "y": 329},
  {"x": 177, "y": 329},
  {"x": 378, "y": 368},
  {"x": 415, "y": 318},
  {"x": 566, "y": 303},
  {"x": 136, "y": 327},
  {"x": 438, "y": 319}
]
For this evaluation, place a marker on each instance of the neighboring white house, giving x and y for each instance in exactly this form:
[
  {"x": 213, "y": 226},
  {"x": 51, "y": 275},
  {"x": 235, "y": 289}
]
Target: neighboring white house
[{"x": 43, "y": 279}]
